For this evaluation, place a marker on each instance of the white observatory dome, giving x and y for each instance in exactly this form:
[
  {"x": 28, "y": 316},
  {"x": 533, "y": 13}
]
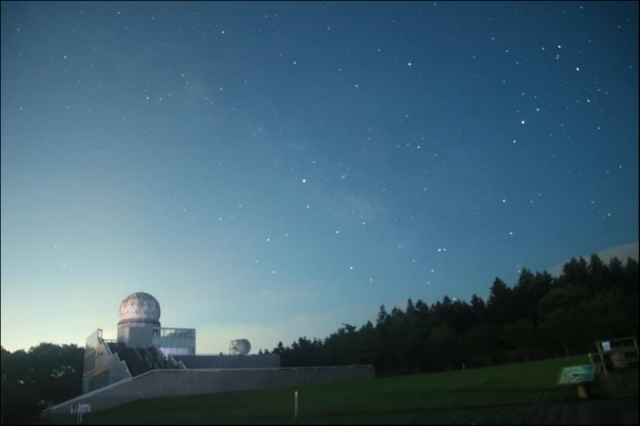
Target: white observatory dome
[
  {"x": 241, "y": 346},
  {"x": 140, "y": 307}
]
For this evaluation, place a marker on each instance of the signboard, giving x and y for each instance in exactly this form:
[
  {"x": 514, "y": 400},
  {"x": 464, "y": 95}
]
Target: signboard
[
  {"x": 80, "y": 408},
  {"x": 619, "y": 360},
  {"x": 576, "y": 375},
  {"x": 606, "y": 346}
]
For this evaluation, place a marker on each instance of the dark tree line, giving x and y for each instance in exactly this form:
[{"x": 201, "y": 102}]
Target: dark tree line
[
  {"x": 539, "y": 317},
  {"x": 33, "y": 380}
]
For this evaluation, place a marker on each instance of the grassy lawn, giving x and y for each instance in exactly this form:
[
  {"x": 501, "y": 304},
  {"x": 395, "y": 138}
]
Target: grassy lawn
[
  {"x": 426, "y": 399},
  {"x": 617, "y": 384}
]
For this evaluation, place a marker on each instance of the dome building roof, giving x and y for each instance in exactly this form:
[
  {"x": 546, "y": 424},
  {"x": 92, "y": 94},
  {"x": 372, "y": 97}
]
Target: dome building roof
[
  {"x": 240, "y": 347},
  {"x": 140, "y": 307}
]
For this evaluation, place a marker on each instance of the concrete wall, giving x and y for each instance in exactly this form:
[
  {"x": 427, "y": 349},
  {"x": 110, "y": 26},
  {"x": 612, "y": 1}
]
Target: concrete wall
[
  {"x": 230, "y": 361},
  {"x": 136, "y": 334},
  {"x": 163, "y": 383},
  {"x": 101, "y": 367}
]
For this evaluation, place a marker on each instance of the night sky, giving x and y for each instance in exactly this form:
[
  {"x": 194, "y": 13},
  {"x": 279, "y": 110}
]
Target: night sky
[{"x": 272, "y": 170}]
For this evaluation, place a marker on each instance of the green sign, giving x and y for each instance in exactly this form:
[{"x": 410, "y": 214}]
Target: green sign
[{"x": 576, "y": 375}]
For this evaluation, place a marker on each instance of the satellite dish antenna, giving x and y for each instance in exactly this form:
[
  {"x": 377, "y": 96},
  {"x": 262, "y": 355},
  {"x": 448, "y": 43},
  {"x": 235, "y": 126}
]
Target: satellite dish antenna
[{"x": 239, "y": 347}]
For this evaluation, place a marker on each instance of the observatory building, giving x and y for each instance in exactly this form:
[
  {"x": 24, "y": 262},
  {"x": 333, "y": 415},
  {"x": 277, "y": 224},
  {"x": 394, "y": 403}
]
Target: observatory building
[
  {"x": 139, "y": 326},
  {"x": 150, "y": 361},
  {"x": 144, "y": 345}
]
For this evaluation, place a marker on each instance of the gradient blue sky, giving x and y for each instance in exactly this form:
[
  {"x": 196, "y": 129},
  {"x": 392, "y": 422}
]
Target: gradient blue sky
[{"x": 272, "y": 170}]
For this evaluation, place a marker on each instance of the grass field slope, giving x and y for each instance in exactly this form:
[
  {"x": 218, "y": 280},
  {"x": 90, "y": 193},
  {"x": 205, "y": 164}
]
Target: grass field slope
[{"x": 456, "y": 397}]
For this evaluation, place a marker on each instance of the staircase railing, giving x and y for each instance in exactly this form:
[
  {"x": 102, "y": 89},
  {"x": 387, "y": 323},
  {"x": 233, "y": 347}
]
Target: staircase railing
[
  {"x": 158, "y": 356},
  {"x": 148, "y": 359},
  {"x": 174, "y": 364},
  {"x": 138, "y": 355}
]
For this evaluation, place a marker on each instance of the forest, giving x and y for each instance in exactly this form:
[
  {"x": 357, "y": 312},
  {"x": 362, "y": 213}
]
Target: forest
[{"x": 538, "y": 317}]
